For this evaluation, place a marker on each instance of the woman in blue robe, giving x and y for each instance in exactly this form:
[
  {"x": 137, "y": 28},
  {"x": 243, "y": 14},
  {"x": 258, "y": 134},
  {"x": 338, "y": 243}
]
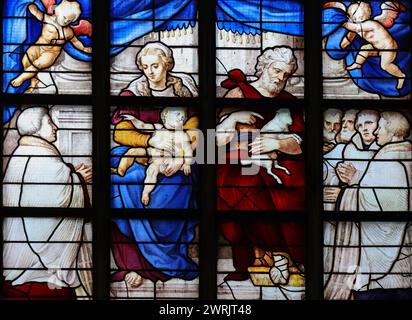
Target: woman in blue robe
[{"x": 154, "y": 249}]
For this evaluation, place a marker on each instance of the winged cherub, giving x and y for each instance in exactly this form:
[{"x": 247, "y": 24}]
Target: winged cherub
[
  {"x": 56, "y": 31},
  {"x": 375, "y": 32}
]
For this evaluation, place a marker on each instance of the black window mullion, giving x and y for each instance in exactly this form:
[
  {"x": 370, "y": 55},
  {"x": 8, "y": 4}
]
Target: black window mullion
[
  {"x": 313, "y": 120},
  {"x": 207, "y": 199},
  {"x": 101, "y": 148}
]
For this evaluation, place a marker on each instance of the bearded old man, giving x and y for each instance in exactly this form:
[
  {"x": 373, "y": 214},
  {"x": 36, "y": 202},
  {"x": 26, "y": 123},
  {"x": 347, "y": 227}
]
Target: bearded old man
[
  {"x": 273, "y": 69},
  {"x": 46, "y": 248},
  {"x": 332, "y": 122},
  {"x": 334, "y": 156}
]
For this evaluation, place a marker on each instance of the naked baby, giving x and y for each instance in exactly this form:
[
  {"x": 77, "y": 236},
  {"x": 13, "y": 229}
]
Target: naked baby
[
  {"x": 374, "y": 31},
  {"x": 56, "y": 31},
  {"x": 170, "y": 130}
]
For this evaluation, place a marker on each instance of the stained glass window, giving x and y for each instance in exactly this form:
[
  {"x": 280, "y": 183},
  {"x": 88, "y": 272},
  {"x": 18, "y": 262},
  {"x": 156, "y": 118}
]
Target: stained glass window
[
  {"x": 130, "y": 174},
  {"x": 154, "y": 259},
  {"x": 261, "y": 260},
  {"x": 154, "y": 49},
  {"x": 367, "y": 160},
  {"x": 47, "y": 46},
  {"x": 47, "y": 156},
  {"x": 260, "y": 171},
  {"x": 165, "y": 179},
  {"x": 154, "y": 54},
  {"x": 260, "y": 150},
  {"x": 367, "y": 260},
  {"x": 259, "y": 49},
  {"x": 47, "y": 258},
  {"x": 366, "y": 50}
]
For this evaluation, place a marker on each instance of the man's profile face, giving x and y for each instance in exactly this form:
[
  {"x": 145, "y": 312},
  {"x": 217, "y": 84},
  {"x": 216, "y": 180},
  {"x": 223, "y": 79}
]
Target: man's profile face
[
  {"x": 366, "y": 126},
  {"x": 382, "y": 133},
  {"x": 348, "y": 126},
  {"x": 275, "y": 76},
  {"x": 331, "y": 126},
  {"x": 48, "y": 129},
  {"x": 153, "y": 68}
]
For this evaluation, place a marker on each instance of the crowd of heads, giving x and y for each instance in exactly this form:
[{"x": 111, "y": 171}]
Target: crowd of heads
[{"x": 385, "y": 127}]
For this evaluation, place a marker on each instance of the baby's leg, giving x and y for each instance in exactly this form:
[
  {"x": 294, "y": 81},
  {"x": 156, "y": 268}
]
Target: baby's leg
[
  {"x": 364, "y": 52},
  {"x": 33, "y": 84},
  {"x": 35, "y": 53},
  {"x": 387, "y": 58},
  {"x": 44, "y": 61},
  {"x": 32, "y": 54},
  {"x": 128, "y": 159},
  {"x": 150, "y": 182}
]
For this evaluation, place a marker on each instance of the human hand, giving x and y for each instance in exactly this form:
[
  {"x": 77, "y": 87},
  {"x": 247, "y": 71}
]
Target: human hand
[
  {"x": 129, "y": 117},
  {"x": 327, "y": 147},
  {"x": 245, "y": 117},
  {"x": 85, "y": 171},
  {"x": 137, "y": 123},
  {"x": 87, "y": 49},
  {"x": 264, "y": 144},
  {"x": 346, "y": 171},
  {"x": 330, "y": 194},
  {"x": 294, "y": 136},
  {"x": 186, "y": 169},
  {"x": 145, "y": 199},
  {"x": 172, "y": 165}
]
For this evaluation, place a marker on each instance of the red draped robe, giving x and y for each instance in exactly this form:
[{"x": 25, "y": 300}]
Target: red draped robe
[{"x": 261, "y": 194}]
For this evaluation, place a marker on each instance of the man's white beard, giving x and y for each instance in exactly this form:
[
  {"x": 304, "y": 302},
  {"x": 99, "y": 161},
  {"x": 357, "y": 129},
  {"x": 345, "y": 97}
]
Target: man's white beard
[
  {"x": 346, "y": 135},
  {"x": 329, "y": 136},
  {"x": 274, "y": 88}
]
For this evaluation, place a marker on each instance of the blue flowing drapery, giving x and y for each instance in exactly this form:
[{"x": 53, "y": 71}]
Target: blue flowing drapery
[
  {"x": 133, "y": 19},
  {"x": 175, "y": 192},
  {"x": 242, "y": 16},
  {"x": 371, "y": 77},
  {"x": 255, "y": 16},
  {"x": 127, "y": 25},
  {"x": 170, "y": 254}
]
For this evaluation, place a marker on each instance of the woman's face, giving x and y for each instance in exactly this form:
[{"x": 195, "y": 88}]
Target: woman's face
[{"x": 153, "y": 68}]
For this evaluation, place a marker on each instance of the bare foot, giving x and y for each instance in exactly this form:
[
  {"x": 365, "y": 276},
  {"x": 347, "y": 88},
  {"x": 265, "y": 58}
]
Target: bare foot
[
  {"x": 16, "y": 82},
  {"x": 113, "y": 170},
  {"x": 354, "y": 66},
  {"x": 264, "y": 261},
  {"x": 145, "y": 199},
  {"x": 133, "y": 279},
  {"x": 30, "y": 90}
]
